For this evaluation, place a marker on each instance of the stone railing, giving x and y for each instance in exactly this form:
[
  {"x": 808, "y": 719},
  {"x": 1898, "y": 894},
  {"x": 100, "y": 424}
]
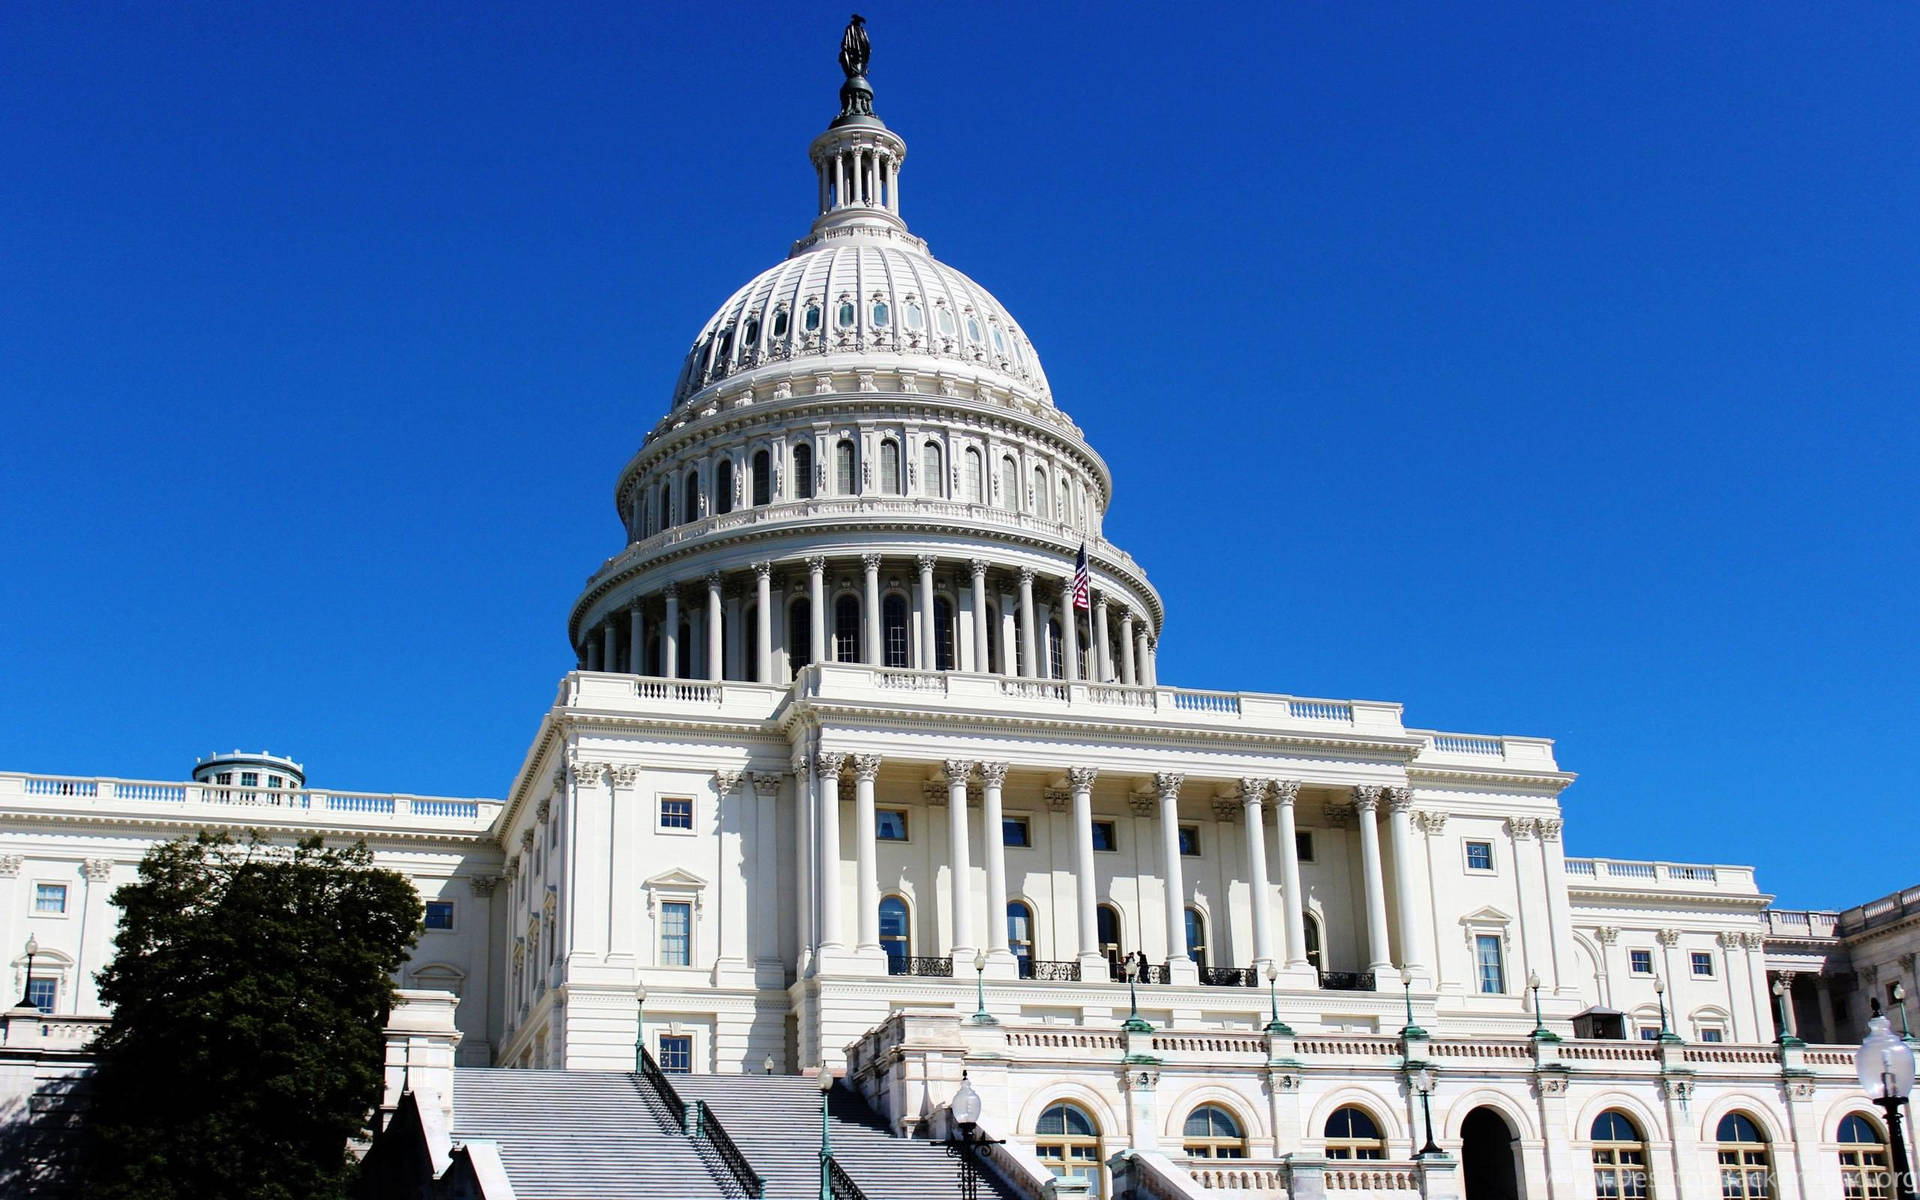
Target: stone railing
[
  {"x": 156, "y": 796},
  {"x": 1632, "y": 875},
  {"x": 1883, "y": 911},
  {"x": 1344, "y": 1176},
  {"x": 1515, "y": 1048},
  {"x": 1812, "y": 924}
]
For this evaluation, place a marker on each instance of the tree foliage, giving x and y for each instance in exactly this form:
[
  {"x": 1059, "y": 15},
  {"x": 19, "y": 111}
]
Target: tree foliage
[{"x": 249, "y": 987}]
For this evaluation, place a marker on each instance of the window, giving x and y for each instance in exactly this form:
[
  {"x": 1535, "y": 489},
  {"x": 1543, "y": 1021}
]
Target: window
[
  {"x": 1710, "y": 1034},
  {"x": 1744, "y": 1165},
  {"x": 690, "y": 499},
  {"x": 50, "y": 898},
  {"x": 1649, "y": 1033},
  {"x": 1056, "y": 651},
  {"x": 944, "y": 320},
  {"x": 1303, "y": 846},
  {"x": 1039, "y": 492},
  {"x": 676, "y": 933},
  {"x": 973, "y": 475},
  {"x": 1479, "y": 856},
  {"x": 846, "y": 630},
  {"x": 1311, "y": 927},
  {"x": 1196, "y": 936},
  {"x": 933, "y": 481},
  {"x": 780, "y": 323},
  {"x": 890, "y": 468},
  {"x": 1067, "y": 1143},
  {"x": 1190, "y": 841},
  {"x": 881, "y": 317},
  {"x": 1863, "y": 1160},
  {"x": 893, "y": 629},
  {"x": 1702, "y": 964},
  {"x": 750, "y": 334},
  {"x": 890, "y": 825},
  {"x": 942, "y": 634},
  {"x": 916, "y": 318},
  {"x": 1640, "y": 962},
  {"x": 800, "y": 634},
  {"x": 666, "y": 504},
  {"x": 843, "y": 468},
  {"x": 999, "y": 343},
  {"x": 845, "y": 315},
  {"x": 1020, "y": 936},
  {"x": 273, "y": 781},
  {"x": 1352, "y": 1133},
  {"x": 803, "y": 471},
  {"x": 249, "y": 779},
  {"x": 676, "y": 812},
  {"x": 1211, "y": 1132},
  {"x": 810, "y": 318},
  {"x": 973, "y": 329},
  {"x": 439, "y": 914},
  {"x": 1104, "y": 837},
  {"x": 1619, "y": 1158},
  {"x": 676, "y": 1053},
  {"x": 1010, "y": 483},
  {"x": 1486, "y": 959},
  {"x": 762, "y": 478},
  {"x": 224, "y": 778},
  {"x": 42, "y": 991},
  {"x": 723, "y": 487},
  {"x": 894, "y": 938},
  {"x": 1014, "y": 831}
]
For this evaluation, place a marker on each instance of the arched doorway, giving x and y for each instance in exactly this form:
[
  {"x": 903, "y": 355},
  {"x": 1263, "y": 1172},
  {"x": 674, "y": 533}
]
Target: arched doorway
[{"x": 1487, "y": 1166}]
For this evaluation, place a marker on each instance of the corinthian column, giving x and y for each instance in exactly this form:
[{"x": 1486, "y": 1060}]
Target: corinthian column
[
  {"x": 1406, "y": 914},
  {"x": 1285, "y": 792},
  {"x": 993, "y": 775},
  {"x": 1180, "y": 968},
  {"x": 827, "y": 785},
  {"x": 1029, "y": 662},
  {"x": 817, "y": 647},
  {"x": 670, "y": 635},
  {"x": 1093, "y": 964},
  {"x": 961, "y": 866},
  {"x": 980, "y": 655},
  {"x": 876, "y": 655},
  {"x": 1128, "y": 672},
  {"x": 763, "y": 621},
  {"x": 1366, "y": 802},
  {"x": 866, "y": 855},
  {"x": 1251, "y": 790},
  {"x": 716, "y": 630}
]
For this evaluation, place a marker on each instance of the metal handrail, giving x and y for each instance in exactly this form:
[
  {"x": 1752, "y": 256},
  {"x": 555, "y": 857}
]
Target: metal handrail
[
  {"x": 708, "y": 1126},
  {"x": 1347, "y": 981},
  {"x": 1229, "y": 977},
  {"x": 1043, "y": 969},
  {"x": 843, "y": 1187},
  {"x": 657, "y": 1080},
  {"x": 939, "y": 968}
]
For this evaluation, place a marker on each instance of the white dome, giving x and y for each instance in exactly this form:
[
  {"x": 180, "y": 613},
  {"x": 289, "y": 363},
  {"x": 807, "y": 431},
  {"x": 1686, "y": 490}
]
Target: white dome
[{"x": 863, "y": 293}]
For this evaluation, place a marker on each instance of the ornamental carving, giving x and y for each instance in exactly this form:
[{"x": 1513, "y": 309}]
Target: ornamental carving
[
  {"x": 764, "y": 783},
  {"x": 1753, "y": 941},
  {"x": 1366, "y": 799},
  {"x": 957, "y": 770},
  {"x": 1607, "y": 934},
  {"x": 1251, "y": 790},
  {"x": 1058, "y": 798},
  {"x": 1142, "y": 803},
  {"x": 1431, "y": 822},
  {"x": 827, "y": 764},
  {"x": 97, "y": 869},
  {"x": 1668, "y": 938},
  {"x": 1285, "y": 792},
  {"x": 817, "y": 566},
  {"x": 1399, "y": 800},
  {"x": 1167, "y": 784},
  {"x": 526, "y": 840},
  {"x": 1080, "y": 779},
  {"x": 512, "y": 870},
  {"x": 724, "y": 782},
  {"x": 1339, "y": 815},
  {"x": 978, "y": 566},
  {"x": 1227, "y": 810},
  {"x": 1550, "y": 829},
  {"x": 1522, "y": 829},
  {"x": 1550, "y": 1085},
  {"x": 1728, "y": 939},
  {"x": 483, "y": 885},
  {"x": 994, "y": 774},
  {"x": 10, "y": 865},
  {"x": 871, "y": 562},
  {"x": 1140, "y": 1079},
  {"x": 866, "y": 767},
  {"x": 587, "y": 774},
  {"x": 623, "y": 774},
  {"x": 1282, "y": 1080},
  {"x": 1799, "y": 1089},
  {"x": 544, "y": 810},
  {"x": 1677, "y": 1089}
]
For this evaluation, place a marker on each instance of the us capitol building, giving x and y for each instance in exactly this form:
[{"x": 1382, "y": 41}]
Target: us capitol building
[{"x": 846, "y": 777}]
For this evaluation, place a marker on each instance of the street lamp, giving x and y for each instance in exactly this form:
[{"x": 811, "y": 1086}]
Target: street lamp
[
  {"x": 1540, "y": 1031},
  {"x": 966, "y": 1140},
  {"x": 1660, "y": 994},
  {"x": 1900, "y": 998},
  {"x": 26, "y": 992},
  {"x": 1134, "y": 1023},
  {"x": 980, "y": 1014},
  {"x": 1406, "y": 983},
  {"x": 1423, "y": 1082},
  {"x": 1885, "y": 1066},
  {"x": 826, "y": 1143},
  {"x": 1275, "y": 1024},
  {"x": 639, "y": 1025},
  {"x": 767, "y": 1065}
]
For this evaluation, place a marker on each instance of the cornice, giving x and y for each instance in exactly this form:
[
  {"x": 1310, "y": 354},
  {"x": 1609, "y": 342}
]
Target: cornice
[
  {"x": 1559, "y": 781},
  {"x": 372, "y": 834},
  {"x": 1602, "y": 898}
]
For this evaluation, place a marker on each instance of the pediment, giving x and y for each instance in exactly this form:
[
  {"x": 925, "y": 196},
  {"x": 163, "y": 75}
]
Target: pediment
[
  {"x": 678, "y": 879},
  {"x": 1488, "y": 915}
]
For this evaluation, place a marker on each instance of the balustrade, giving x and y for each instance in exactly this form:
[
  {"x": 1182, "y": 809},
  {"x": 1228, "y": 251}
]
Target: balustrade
[
  {"x": 933, "y": 968},
  {"x": 1346, "y": 981}
]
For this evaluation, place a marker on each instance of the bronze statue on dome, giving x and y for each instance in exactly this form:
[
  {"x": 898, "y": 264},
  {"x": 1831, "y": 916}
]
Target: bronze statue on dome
[{"x": 856, "y": 97}]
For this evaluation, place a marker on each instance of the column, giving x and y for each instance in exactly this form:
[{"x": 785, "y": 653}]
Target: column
[
  {"x": 637, "y": 639},
  {"x": 735, "y": 643},
  {"x": 1102, "y": 648},
  {"x": 980, "y": 656},
  {"x": 732, "y": 963},
  {"x": 866, "y": 853},
  {"x": 803, "y": 848},
  {"x": 592, "y": 653},
  {"x": 1829, "y": 1030},
  {"x": 763, "y": 935},
  {"x": 1788, "y": 1017},
  {"x": 929, "y": 655},
  {"x": 1742, "y": 1020},
  {"x": 715, "y": 628},
  {"x": 1406, "y": 872},
  {"x": 763, "y": 620},
  {"x": 1251, "y": 790},
  {"x": 817, "y": 609},
  {"x": 1553, "y": 858},
  {"x": 826, "y": 783},
  {"x": 1009, "y": 648},
  {"x": 1093, "y": 964},
  {"x": 1153, "y": 662},
  {"x": 1029, "y": 662},
  {"x": 1285, "y": 792},
  {"x": 1366, "y": 801},
  {"x": 875, "y": 654},
  {"x": 96, "y": 937},
  {"x": 1128, "y": 674},
  {"x": 610, "y": 645},
  {"x": 960, "y": 868},
  {"x": 670, "y": 635},
  {"x": 1069, "y": 633},
  {"x": 1179, "y": 967},
  {"x": 993, "y": 775},
  {"x": 1755, "y": 944}
]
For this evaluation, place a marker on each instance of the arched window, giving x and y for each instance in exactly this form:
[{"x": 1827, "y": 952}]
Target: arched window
[
  {"x": 1063, "y": 512},
  {"x": 890, "y": 468},
  {"x": 1020, "y": 936},
  {"x": 893, "y": 627},
  {"x": 1352, "y": 1133},
  {"x": 844, "y": 316},
  {"x": 1744, "y": 1167},
  {"x": 1039, "y": 492},
  {"x": 1107, "y": 919},
  {"x": 800, "y": 633},
  {"x": 933, "y": 481},
  {"x": 1067, "y": 1143},
  {"x": 779, "y": 323},
  {"x": 973, "y": 480},
  {"x": 762, "y": 478},
  {"x": 723, "y": 486},
  {"x": 1313, "y": 943},
  {"x": 803, "y": 471},
  {"x": 1196, "y": 936},
  {"x": 1863, "y": 1160},
  {"x": 810, "y": 318},
  {"x": 942, "y": 634},
  {"x": 895, "y": 937},
  {"x": 1211, "y": 1132},
  {"x": 844, "y": 473},
  {"x": 1010, "y": 484},
  {"x": 750, "y": 335},
  {"x": 666, "y": 504},
  {"x": 1619, "y": 1158},
  {"x": 846, "y": 630},
  {"x": 690, "y": 508}
]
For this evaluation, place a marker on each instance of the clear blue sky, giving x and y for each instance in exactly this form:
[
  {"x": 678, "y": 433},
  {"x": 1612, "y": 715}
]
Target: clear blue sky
[{"x": 1549, "y": 368}]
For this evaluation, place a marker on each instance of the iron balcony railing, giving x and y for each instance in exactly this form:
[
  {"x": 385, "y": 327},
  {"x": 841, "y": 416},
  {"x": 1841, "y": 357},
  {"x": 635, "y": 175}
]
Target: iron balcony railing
[
  {"x": 843, "y": 1187},
  {"x": 1346, "y": 981},
  {"x": 657, "y": 1080},
  {"x": 1229, "y": 977},
  {"x": 938, "y": 968},
  {"x": 707, "y": 1125},
  {"x": 1050, "y": 972}
]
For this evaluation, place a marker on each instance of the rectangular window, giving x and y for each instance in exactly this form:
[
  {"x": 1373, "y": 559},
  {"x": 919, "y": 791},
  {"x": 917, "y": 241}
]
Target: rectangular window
[
  {"x": 1649, "y": 1033},
  {"x": 1486, "y": 955},
  {"x": 439, "y": 914},
  {"x": 224, "y": 777},
  {"x": 1702, "y": 964},
  {"x": 1479, "y": 856},
  {"x": 1104, "y": 837},
  {"x": 249, "y": 779},
  {"x": 1711, "y": 1035},
  {"x": 1190, "y": 841},
  {"x": 1303, "y": 846},
  {"x": 1015, "y": 831},
  {"x": 50, "y": 897},
  {"x": 1640, "y": 962},
  {"x": 42, "y": 990},
  {"x": 676, "y": 1053},
  {"x": 890, "y": 825},
  {"x": 676, "y": 814},
  {"x": 273, "y": 781},
  {"x": 676, "y": 934}
]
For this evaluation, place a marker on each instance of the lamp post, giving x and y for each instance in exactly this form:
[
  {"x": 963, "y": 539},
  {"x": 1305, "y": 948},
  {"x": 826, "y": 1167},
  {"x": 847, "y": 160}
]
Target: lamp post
[
  {"x": 639, "y": 1025},
  {"x": 1423, "y": 1082},
  {"x": 1660, "y": 994},
  {"x": 1275, "y": 1024},
  {"x": 26, "y": 990},
  {"x": 767, "y": 1065},
  {"x": 1540, "y": 1031},
  {"x": 1133, "y": 1023},
  {"x": 826, "y": 1142},
  {"x": 1406, "y": 984},
  {"x": 980, "y": 1014},
  {"x": 1885, "y": 1067},
  {"x": 1900, "y": 998},
  {"x": 966, "y": 1140}
]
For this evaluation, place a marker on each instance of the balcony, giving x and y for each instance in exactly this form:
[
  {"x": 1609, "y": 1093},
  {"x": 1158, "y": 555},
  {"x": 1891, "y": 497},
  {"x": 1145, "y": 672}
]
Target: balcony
[
  {"x": 1614, "y": 874},
  {"x": 1229, "y": 977},
  {"x": 213, "y": 803},
  {"x": 1346, "y": 981},
  {"x": 1049, "y": 972},
  {"x": 931, "y": 968},
  {"x": 1810, "y": 925}
]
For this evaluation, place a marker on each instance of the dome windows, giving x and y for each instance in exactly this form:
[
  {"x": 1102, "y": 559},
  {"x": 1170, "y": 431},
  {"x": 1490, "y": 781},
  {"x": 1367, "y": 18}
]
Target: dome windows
[
  {"x": 779, "y": 323},
  {"x": 943, "y": 321},
  {"x": 846, "y": 315},
  {"x": 973, "y": 328},
  {"x": 810, "y": 318},
  {"x": 750, "y": 333},
  {"x": 999, "y": 342},
  {"x": 882, "y": 314},
  {"x": 916, "y": 319},
  {"x": 723, "y": 349}
]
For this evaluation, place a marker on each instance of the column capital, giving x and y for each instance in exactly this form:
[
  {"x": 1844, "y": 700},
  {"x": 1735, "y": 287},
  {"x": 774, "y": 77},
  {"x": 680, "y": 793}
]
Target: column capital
[
  {"x": 979, "y": 567},
  {"x": 1366, "y": 799},
  {"x": 1081, "y": 778},
  {"x": 1058, "y": 798},
  {"x": 1027, "y": 576},
  {"x": 1522, "y": 829},
  {"x": 713, "y": 580},
  {"x": 764, "y": 783},
  {"x": 1141, "y": 803},
  {"x": 763, "y": 570},
  {"x": 1399, "y": 800},
  {"x": 96, "y": 869},
  {"x": 1607, "y": 934},
  {"x": 957, "y": 770},
  {"x": 1728, "y": 939},
  {"x": 670, "y": 592},
  {"x": 1227, "y": 808},
  {"x": 865, "y": 767},
  {"x": 1754, "y": 940},
  {"x": 994, "y": 773},
  {"x": 828, "y": 763},
  {"x": 1167, "y": 784},
  {"x": 800, "y": 763},
  {"x": 870, "y": 561},
  {"x": 1431, "y": 822},
  {"x": 1550, "y": 829},
  {"x": 1252, "y": 790},
  {"x": 587, "y": 774},
  {"x": 1285, "y": 792},
  {"x": 1668, "y": 937},
  {"x": 817, "y": 564},
  {"x": 623, "y": 774},
  {"x": 1099, "y": 600},
  {"x": 724, "y": 782},
  {"x": 926, "y": 562}
]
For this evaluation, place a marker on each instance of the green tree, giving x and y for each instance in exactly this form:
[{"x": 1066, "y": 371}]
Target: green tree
[{"x": 249, "y": 987}]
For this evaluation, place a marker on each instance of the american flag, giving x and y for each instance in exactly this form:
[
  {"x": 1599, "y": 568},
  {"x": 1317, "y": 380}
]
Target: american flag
[{"x": 1081, "y": 581}]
